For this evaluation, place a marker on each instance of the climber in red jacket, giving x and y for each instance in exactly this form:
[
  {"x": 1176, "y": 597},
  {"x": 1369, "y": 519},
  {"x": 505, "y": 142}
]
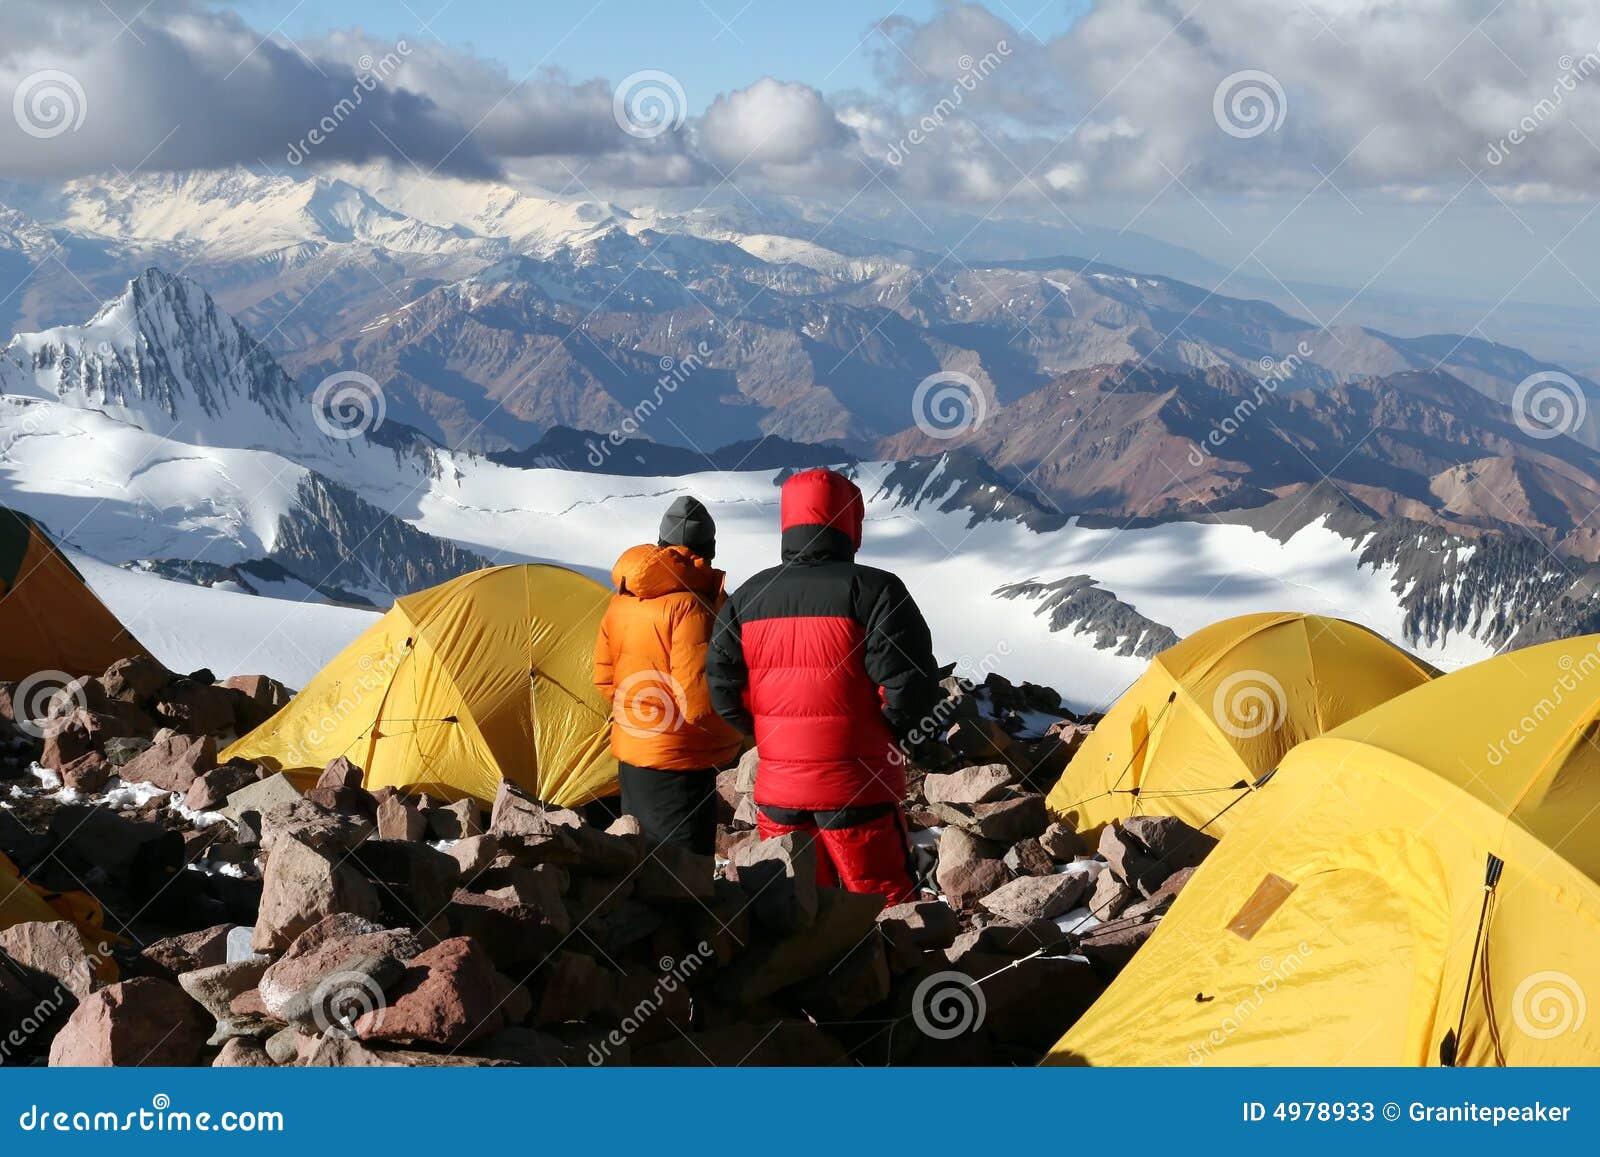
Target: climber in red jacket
[{"x": 829, "y": 664}]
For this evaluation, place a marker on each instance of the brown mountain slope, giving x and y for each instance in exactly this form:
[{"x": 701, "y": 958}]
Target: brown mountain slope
[{"x": 1136, "y": 442}]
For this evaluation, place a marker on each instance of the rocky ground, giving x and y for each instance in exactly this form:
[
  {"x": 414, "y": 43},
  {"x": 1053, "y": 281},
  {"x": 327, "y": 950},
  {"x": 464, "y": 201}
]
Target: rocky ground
[{"x": 250, "y": 924}]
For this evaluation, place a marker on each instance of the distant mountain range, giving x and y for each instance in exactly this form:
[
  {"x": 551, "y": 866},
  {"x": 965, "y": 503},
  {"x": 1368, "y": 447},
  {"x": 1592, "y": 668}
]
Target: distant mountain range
[{"x": 492, "y": 315}]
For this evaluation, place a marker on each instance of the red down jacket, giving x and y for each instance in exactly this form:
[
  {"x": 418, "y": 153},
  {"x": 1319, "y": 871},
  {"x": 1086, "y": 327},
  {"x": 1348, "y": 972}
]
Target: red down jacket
[{"x": 826, "y": 662}]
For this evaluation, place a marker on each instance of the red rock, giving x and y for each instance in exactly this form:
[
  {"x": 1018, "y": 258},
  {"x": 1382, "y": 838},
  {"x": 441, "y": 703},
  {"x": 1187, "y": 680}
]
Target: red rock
[
  {"x": 340, "y": 772},
  {"x": 195, "y": 708},
  {"x": 400, "y": 819},
  {"x": 1029, "y": 898},
  {"x": 142, "y": 1022},
  {"x": 56, "y": 949},
  {"x": 969, "y": 867},
  {"x": 1028, "y": 858},
  {"x": 446, "y": 998},
  {"x": 971, "y": 785},
  {"x": 88, "y": 773},
  {"x": 347, "y": 801},
  {"x": 242, "y": 1052},
  {"x": 1062, "y": 843},
  {"x": 135, "y": 680},
  {"x": 328, "y": 947},
  {"x": 457, "y": 821},
  {"x": 190, "y": 950},
  {"x": 302, "y": 886},
  {"x": 173, "y": 762},
  {"x": 256, "y": 698},
  {"x": 211, "y": 789}
]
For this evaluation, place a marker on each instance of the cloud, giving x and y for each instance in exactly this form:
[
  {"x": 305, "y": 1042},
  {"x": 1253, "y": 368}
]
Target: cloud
[
  {"x": 1406, "y": 101},
  {"x": 771, "y": 123}
]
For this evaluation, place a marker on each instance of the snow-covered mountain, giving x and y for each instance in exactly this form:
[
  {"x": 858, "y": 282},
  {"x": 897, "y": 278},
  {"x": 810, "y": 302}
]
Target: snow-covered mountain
[
  {"x": 498, "y": 312},
  {"x": 1006, "y": 584}
]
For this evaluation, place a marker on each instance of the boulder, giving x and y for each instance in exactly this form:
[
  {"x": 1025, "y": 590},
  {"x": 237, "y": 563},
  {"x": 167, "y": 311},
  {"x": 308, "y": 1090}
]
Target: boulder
[
  {"x": 88, "y": 773},
  {"x": 1062, "y": 843},
  {"x": 190, "y": 950},
  {"x": 517, "y": 934},
  {"x": 195, "y": 707},
  {"x": 1004, "y": 820},
  {"x": 136, "y": 680},
  {"x": 458, "y": 821},
  {"x": 1029, "y": 898},
  {"x": 337, "y": 833},
  {"x": 242, "y": 1052},
  {"x": 214, "y": 988},
  {"x": 473, "y": 854},
  {"x": 969, "y": 867},
  {"x": 142, "y": 1022},
  {"x": 1028, "y": 858},
  {"x": 573, "y": 988},
  {"x": 210, "y": 790},
  {"x": 302, "y": 886},
  {"x": 932, "y": 923},
  {"x": 340, "y": 772},
  {"x": 73, "y": 735},
  {"x": 415, "y": 882},
  {"x": 856, "y": 983},
  {"x": 119, "y": 749},
  {"x": 341, "y": 946},
  {"x": 1110, "y": 896},
  {"x": 55, "y": 949},
  {"x": 779, "y": 878},
  {"x": 400, "y": 819},
  {"x": 842, "y": 920},
  {"x": 173, "y": 762},
  {"x": 261, "y": 796},
  {"x": 669, "y": 873},
  {"x": 744, "y": 778},
  {"x": 1144, "y": 851},
  {"x": 256, "y": 698},
  {"x": 1172, "y": 843},
  {"x": 355, "y": 802},
  {"x": 447, "y": 997},
  {"x": 971, "y": 785}
]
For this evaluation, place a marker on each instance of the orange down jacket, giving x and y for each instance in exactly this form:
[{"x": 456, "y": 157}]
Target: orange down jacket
[{"x": 650, "y": 661}]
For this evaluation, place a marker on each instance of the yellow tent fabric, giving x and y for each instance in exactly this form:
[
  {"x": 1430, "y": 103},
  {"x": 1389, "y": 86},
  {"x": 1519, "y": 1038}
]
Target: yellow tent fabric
[
  {"x": 20, "y": 903},
  {"x": 487, "y": 676},
  {"x": 1217, "y": 711},
  {"x": 49, "y": 618},
  {"x": 1339, "y": 922}
]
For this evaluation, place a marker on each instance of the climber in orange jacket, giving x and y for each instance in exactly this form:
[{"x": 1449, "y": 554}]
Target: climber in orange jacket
[{"x": 649, "y": 662}]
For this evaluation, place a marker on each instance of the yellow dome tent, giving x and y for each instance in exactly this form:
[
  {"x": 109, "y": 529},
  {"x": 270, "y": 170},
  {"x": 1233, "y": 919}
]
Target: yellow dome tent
[
  {"x": 1416, "y": 886},
  {"x": 487, "y": 676},
  {"x": 1214, "y": 713},
  {"x": 49, "y": 618}
]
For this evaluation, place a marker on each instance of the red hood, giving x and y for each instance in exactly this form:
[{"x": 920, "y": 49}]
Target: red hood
[{"x": 823, "y": 498}]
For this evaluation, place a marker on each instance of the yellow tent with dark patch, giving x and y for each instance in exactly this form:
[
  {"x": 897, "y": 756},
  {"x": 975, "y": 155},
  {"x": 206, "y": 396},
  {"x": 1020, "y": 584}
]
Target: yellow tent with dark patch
[
  {"x": 1217, "y": 711},
  {"x": 49, "y": 618},
  {"x": 1415, "y": 887},
  {"x": 487, "y": 676}
]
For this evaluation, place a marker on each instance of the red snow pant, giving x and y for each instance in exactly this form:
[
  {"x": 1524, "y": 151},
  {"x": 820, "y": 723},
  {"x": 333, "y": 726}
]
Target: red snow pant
[{"x": 861, "y": 849}]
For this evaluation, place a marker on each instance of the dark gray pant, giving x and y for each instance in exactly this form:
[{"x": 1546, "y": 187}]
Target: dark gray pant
[{"x": 673, "y": 807}]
